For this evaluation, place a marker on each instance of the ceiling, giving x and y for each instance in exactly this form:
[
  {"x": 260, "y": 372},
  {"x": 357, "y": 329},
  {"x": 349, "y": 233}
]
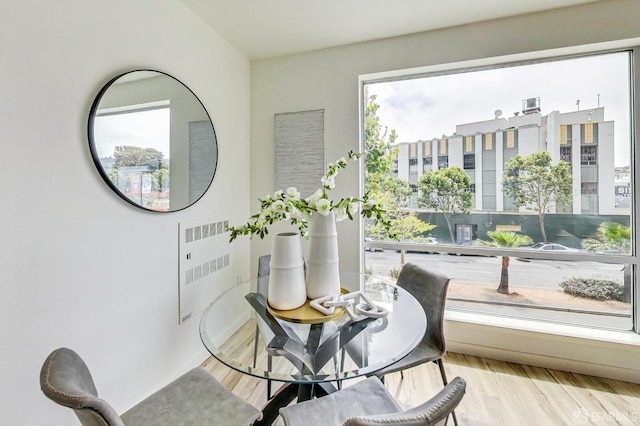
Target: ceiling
[{"x": 270, "y": 28}]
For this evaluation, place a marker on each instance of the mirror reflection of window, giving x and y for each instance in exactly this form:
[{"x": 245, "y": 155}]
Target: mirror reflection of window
[
  {"x": 152, "y": 141},
  {"x": 134, "y": 149}
]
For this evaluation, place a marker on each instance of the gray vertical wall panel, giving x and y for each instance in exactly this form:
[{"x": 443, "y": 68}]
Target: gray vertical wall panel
[
  {"x": 202, "y": 158},
  {"x": 299, "y": 145}
]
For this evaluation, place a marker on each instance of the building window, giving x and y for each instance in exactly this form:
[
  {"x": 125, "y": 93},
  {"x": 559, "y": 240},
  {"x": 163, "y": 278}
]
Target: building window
[
  {"x": 588, "y": 155},
  {"x": 469, "y": 161},
  {"x": 488, "y": 141},
  {"x": 468, "y": 144},
  {"x": 443, "y": 161},
  {"x": 587, "y": 129},
  {"x": 472, "y": 188},
  {"x": 511, "y": 139},
  {"x": 442, "y": 150},
  {"x": 427, "y": 162},
  {"x": 413, "y": 165},
  {"x": 566, "y": 132},
  {"x": 589, "y": 188},
  {"x": 426, "y": 149},
  {"x": 565, "y": 154}
]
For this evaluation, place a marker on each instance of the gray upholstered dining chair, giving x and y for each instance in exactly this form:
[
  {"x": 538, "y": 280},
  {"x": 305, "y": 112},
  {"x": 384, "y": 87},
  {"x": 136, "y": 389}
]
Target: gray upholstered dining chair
[
  {"x": 430, "y": 289},
  {"x": 368, "y": 403},
  {"x": 196, "y": 398},
  {"x": 263, "y": 285}
]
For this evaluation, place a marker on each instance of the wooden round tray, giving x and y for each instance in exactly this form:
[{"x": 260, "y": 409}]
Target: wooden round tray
[{"x": 305, "y": 314}]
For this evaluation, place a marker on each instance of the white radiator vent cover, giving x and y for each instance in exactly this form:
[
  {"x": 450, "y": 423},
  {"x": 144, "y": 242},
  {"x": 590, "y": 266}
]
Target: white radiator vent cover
[{"x": 204, "y": 264}]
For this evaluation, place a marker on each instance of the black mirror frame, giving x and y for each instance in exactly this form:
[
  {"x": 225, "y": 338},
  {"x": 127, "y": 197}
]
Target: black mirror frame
[{"x": 96, "y": 158}]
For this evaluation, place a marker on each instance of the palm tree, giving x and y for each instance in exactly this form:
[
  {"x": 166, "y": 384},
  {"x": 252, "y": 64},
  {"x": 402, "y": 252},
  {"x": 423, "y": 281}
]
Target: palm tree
[
  {"x": 506, "y": 239},
  {"x": 610, "y": 236},
  {"x": 615, "y": 237}
]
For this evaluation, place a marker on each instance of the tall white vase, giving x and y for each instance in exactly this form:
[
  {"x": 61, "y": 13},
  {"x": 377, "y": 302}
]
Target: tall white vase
[
  {"x": 323, "y": 276},
  {"x": 286, "y": 276}
]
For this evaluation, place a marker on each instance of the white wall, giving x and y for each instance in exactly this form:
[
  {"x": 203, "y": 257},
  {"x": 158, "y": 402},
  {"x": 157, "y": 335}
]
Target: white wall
[
  {"x": 80, "y": 267},
  {"x": 328, "y": 79}
]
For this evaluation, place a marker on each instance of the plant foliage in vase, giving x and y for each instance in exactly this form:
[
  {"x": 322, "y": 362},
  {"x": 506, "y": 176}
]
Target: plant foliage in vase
[{"x": 288, "y": 205}]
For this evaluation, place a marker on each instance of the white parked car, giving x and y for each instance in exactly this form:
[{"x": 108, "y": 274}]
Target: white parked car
[
  {"x": 432, "y": 240},
  {"x": 550, "y": 247}
]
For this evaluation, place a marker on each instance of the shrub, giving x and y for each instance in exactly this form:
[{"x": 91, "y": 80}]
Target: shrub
[
  {"x": 394, "y": 273},
  {"x": 593, "y": 288}
]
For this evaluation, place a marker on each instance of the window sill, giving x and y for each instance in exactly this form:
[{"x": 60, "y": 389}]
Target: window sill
[
  {"x": 564, "y": 330},
  {"x": 612, "y": 354}
]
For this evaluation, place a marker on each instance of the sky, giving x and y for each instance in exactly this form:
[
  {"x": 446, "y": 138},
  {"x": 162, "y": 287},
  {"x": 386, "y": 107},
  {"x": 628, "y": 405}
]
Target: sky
[
  {"x": 429, "y": 107},
  {"x": 146, "y": 129}
]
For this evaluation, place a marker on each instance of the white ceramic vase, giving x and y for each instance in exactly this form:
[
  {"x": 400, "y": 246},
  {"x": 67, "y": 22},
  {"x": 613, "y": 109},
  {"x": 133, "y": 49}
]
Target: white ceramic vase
[
  {"x": 286, "y": 277},
  {"x": 323, "y": 275}
]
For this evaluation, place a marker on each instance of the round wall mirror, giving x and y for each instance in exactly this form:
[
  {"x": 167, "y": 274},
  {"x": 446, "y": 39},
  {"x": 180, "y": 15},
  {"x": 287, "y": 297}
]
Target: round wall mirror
[{"x": 152, "y": 141}]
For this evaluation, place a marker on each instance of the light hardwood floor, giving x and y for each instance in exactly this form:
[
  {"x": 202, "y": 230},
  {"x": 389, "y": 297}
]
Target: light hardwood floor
[{"x": 498, "y": 393}]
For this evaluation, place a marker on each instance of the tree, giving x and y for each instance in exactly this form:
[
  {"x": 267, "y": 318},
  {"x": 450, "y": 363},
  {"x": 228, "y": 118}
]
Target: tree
[
  {"x": 162, "y": 178},
  {"x": 114, "y": 176},
  {"x": 384, "y": 189},
  {"x": 405, "y": 224},
  {"x": 615, "y": 237},
  {"x": 393, "y": 195},
  {"x": 506, "y": 239},
  {"x": 389, "y": 192},
  {"x": 136, "y": 156},
  {"x": 610, "y": 236},
  {"x": 378, "y": 142},
  {"x": 537, "y": 184},
  {"x": 446, "y": 190}
]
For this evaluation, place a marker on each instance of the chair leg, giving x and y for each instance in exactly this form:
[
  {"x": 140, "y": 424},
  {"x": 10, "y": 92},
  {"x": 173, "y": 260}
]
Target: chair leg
[
  {"x": 255, "y": 358},
  {"x": 335, "y": 366},
  {"x": 342, "y": 355},
  {"x": 255, "y": 347},
  {"x": 442, "y": 372},
  {"x": 455, "y": 420},
  {"x": 269, "y": 396},
  {"x": 444, "y": 380}
]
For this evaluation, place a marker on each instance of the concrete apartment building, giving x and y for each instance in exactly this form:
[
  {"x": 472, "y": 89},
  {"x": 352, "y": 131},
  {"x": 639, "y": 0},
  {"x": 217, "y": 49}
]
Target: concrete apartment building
[{"x": 583, "y": 138}]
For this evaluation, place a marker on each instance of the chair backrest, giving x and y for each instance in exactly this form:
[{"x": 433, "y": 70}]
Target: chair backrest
[
  {"x": 263, "y": 271},
  {"x": 434, "y": 412},
  {"x": 66, "y": 380},
  {"x": 430, "y": 289}
]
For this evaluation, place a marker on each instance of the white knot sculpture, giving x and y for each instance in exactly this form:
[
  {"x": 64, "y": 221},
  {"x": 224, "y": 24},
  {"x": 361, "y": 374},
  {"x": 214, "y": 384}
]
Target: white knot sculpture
[{"x": 356, "y": 304}]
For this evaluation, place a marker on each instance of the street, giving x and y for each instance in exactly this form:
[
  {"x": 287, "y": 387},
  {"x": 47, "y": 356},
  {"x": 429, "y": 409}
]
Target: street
[
  {"x": 486, "y": 270},
  {"x": 545, "y": 274}
]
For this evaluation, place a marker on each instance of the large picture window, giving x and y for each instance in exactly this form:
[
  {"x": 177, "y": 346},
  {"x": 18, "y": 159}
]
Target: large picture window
[{"x": 540, "y": 224}]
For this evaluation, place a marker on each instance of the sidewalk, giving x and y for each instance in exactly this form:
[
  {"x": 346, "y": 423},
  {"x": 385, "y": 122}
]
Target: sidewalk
[
  {"x": 540, "y": 305},
  {"x": 534, "y": 296}
]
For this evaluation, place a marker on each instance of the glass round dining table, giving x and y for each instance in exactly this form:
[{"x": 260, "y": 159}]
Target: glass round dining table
[{"x": 310, "y": 352}]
